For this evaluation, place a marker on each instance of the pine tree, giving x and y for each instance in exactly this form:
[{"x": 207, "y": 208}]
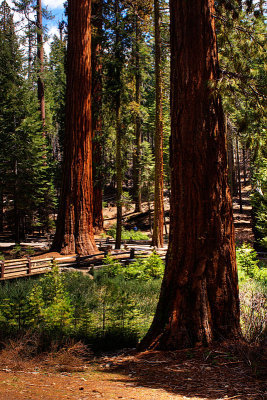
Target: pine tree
[{"x": 26, "y": 187}]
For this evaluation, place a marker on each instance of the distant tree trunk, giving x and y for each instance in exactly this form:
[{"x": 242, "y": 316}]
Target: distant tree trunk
[
  {"x": 118, "y": 175},
  {"x": 16, "y": 207},
  {"x": 118, "y": 56},
  {"x": 74, "y": 232},
  {"x": 97, "y": 20},
  {"x": 29, "y": 50},
  {"x": 1, "y": 209},
  {"x": 40, "y": 59},
  {"x": 239, "y": 176},
  {"x": 261, "y": 7},
  {"x": 244, "y": 159},
  {"x": 249, "y": 4},
  {"x": 199, "y": 301},
  {"x": 137, "y": 151},
  {"x": 231, "y": 162},
  {"x": 157, "y": 238}
]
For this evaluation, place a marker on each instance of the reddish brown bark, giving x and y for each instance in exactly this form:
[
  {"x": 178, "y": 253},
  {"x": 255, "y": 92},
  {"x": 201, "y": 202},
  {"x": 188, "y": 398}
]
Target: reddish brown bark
[
  {"x": 199, "y": 297},
  {"x": 97, "y": 19},
  {"x": 138, "y": 136},
  {"x": 40, "y": 58},
  {"x": 74, "y": 232},
  {"x": 157, "y": 239}
]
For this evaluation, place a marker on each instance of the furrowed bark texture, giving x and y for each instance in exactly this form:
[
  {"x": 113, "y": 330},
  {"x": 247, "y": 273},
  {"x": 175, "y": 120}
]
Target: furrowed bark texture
[
  {"x": 74, "y": 232},
  {"x": 97, "y": 19},
  {"x": 157, "y": 239},
  {"x": 199, "y": 297}
]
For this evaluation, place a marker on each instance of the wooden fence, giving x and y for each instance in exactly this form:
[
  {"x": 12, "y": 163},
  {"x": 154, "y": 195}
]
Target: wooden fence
[{"x": 31, "y": 266}]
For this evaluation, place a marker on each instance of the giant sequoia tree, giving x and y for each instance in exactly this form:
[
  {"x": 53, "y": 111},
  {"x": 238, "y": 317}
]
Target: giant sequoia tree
[
  {"x": 199, "y": 297},
  {"x": 75, "y": 219}
]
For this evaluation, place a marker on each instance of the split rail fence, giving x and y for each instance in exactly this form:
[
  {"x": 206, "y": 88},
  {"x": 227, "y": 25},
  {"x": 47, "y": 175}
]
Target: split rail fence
[{"x": 24, "y": 267}]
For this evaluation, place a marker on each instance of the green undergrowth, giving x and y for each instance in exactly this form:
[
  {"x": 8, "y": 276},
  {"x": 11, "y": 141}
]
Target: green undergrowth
[
  {"x": 127, "y": 235},
  {"x": 113, "y": 310},
  {"x": 253, "y": 294},
  {"x": 114, "y": 307}
]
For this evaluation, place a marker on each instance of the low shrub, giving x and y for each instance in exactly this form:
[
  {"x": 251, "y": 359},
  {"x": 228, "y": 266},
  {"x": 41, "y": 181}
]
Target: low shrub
[
  {"x": 248, "y": 264},
  {"x": 127, "y": 235},
  {"x": 253, "y": 302},
  {"x": 59, "y": 306}
]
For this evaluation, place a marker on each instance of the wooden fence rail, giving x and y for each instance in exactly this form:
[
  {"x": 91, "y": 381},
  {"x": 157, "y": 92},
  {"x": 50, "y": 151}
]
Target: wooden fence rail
[{"x": 30, "y": 266}]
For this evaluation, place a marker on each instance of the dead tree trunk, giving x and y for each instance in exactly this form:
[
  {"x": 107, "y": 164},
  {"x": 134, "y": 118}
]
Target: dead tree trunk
[
  {"x": 199, "y": 296},
  {"x": 74, "y": 232}
]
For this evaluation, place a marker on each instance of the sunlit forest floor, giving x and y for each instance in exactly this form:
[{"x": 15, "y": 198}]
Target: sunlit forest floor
[
  {"x": 226, "y": 372},
  {"x": 233, "y": 371},
  {"x": 242, "y": 220}
]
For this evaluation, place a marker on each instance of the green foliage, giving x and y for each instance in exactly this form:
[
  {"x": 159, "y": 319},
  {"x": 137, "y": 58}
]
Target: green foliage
[
  {"x": 142, "y": 269},
  {"x": 150, "y": 268},
  {"x": 26, "y": 180},
  {"x": 127, "y": 235},
  {"x": 16, "y": 251},
  {"x": 109, "y": 311},
  {"x": 248, "y": 265},
  {"x": 253, "y": 302},
  {"x": 259, "y": 202}
]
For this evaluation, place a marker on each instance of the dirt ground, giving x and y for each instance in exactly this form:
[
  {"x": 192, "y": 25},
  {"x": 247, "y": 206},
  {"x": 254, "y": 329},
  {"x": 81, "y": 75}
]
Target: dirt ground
[
  {"x": 190, "y": 374},
  {"x": 225, "y": 372}
]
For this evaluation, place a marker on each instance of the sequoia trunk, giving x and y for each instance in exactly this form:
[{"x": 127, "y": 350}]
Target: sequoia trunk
[
  {"x": 97, "y": 18},
  {"x": 157, "y": 238},
  {"x": 74, "y": 232},
  {"x": 199, "y": 296}
]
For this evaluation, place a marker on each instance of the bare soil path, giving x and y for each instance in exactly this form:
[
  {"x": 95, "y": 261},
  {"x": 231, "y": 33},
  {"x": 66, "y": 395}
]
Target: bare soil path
[
  {"x": 192, "y": 374},
  {"x": 242, "y": 220}
]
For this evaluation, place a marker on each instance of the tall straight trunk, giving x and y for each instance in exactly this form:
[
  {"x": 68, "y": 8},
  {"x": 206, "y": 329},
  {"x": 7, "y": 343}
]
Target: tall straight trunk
[
  {"x": 29, "y": 50},
  {"x": 16, "y": 207},
  {"x": 74, "y": 232},
  {"x": 137, "y": 150},
  {"x": 1, "y": 208},
  {"x": 231, "y": 163},
  {"x": 244, "y": 159},
  {"x": 199, "y": 301},
  {"x": 118, "y": 175},
  {"x": 239, "y": 176},
  {"x": 118, "y": 57},
  {"x": 97, "y": 19},
  {"x": 157, "y": 239},
  {"x": 40, "y": 60},
  {"x": 261, "y": 7}
]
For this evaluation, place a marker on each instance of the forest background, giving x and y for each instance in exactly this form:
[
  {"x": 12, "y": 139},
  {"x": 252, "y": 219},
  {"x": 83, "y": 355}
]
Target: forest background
[{"x": 32, "y": 111}]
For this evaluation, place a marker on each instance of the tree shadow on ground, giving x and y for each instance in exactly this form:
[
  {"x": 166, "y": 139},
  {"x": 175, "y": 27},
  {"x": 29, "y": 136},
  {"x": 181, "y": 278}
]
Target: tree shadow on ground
[{"x": 219, "y": 373}]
